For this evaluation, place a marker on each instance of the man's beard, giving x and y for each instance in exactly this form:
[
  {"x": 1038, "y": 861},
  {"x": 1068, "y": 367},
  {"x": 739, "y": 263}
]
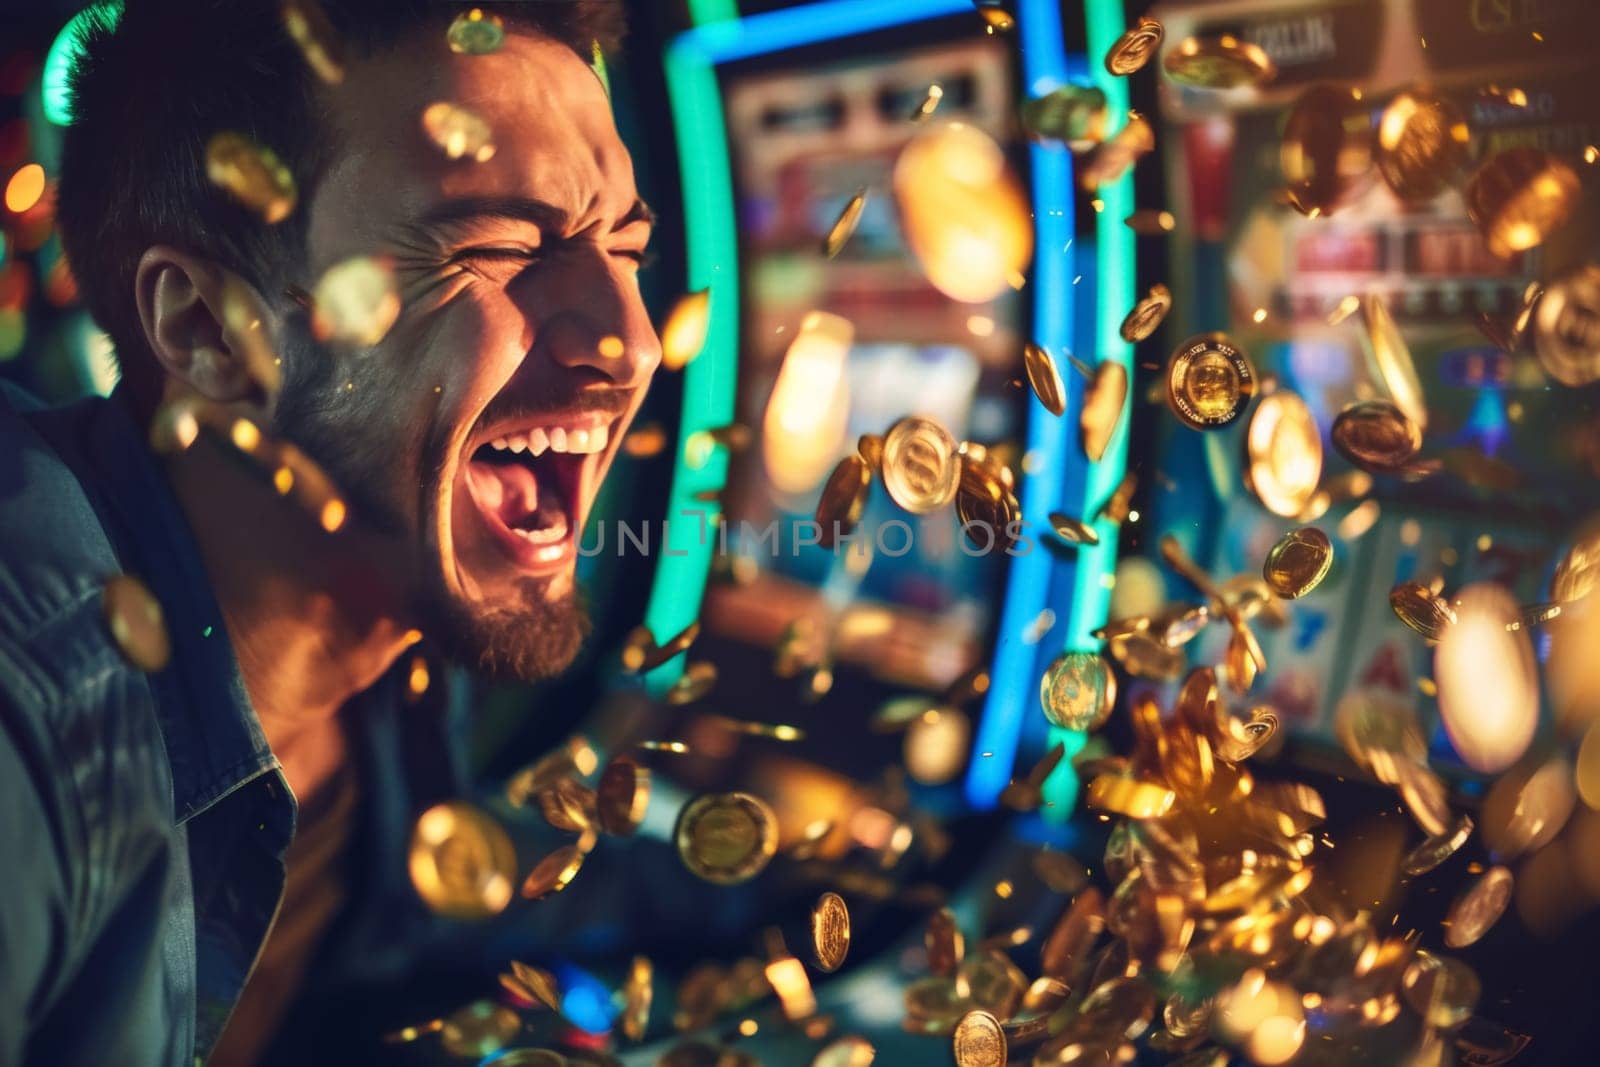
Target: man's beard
[{"x": 537, "y": 638}]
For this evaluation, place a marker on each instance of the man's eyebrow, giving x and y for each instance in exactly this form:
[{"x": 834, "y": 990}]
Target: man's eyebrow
[{"x": 477, "y": 209}]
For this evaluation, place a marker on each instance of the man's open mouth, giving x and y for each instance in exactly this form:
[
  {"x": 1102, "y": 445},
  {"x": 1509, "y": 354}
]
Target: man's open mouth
[{"x": 528, "y": 484}]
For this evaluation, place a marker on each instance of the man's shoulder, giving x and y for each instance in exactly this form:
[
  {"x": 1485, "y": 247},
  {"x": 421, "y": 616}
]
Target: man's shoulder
[{"x": 55, "y": 559}]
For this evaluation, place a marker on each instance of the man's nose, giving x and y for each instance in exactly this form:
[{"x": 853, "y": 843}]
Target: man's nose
[{"x": 589, "y": 313}]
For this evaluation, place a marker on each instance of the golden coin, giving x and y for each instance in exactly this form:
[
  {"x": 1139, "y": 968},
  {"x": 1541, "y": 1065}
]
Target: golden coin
[
  {"x": 535, "y": 984},
  {"x": 780, "y": 731},
  {"x": 997, "y": 19},
  {"x": 474, "y": 33},
  {"x": 252, "y": 173},
  {"x": 992, "y": 982},
  {"x": 458, "y": 133},
  {"x": 1376, "y": 436},
  {"x": 1478, "y": 908},
  {"x": 1221, "y": 62},
  {"x": 1144, "y": 656},
  {"x": 1103, "y": 401},
  {"x": 1437, "y": 848},
  {"x": 656, "y": 655},
  {"x": 1488, "y": 680},
  {"x": 830, "y": 931},
  {"x": 1421, "y": 142},
  {"x": 930, "y": 103},
  {"x": 1520, "y": 197},
  {"x": 1422, "y": 609},
  {"x": 963, "y": 212},
  {"x": 844, "y": 225},
  {"x": 1566, "y": 327},
  {"x": 1044, "y": 378},
  {"x": 944, "y": 943},
  {"x": 309, "y": 28},
  {"x": 696, "y": 683},
  {"x": 1326, "y": 146},
  {"x": 1379, "y": 731},
  {"x": 1112, "y": 159},
  {"x": 535, "y": 1057},
  {"x": 869, "y": 446},
  {"x": 1072, "y": 114},
  {"x": 1393, "y": 357},
  {"x": 462, "y": 863},
  {"x": 1135, "y": 47},
  {"x": 1283, "y": 452},
  {"x": 1243, "y": 658},
  {"x": 1209, "y": 381},
  {"x": 1060, "y": 872},
  {"x": 846, "y": 1052},
  {"x": 567, "y": 805},
  {"x": 480, "y": 1029},
  {"x": 1151, "y": 222},
  {"x": 1073, "y": 691},
  {"x": 636, "y": 647},
  {"x": 1442, "y": 990},
  {"x": 1147, "y": 314},
  {"x": 979, "y": 1041},
  {"x": 937, "y": 745},
  {"x": 726, "y": 838},
  {"x": 921, "y": 468},
  {"x": 683, "y": 334},
  {"x": 1132, "y": 797},
  {"x": 1298, "y": 562},
  {"x": 843, "y": 499},
  {"x": 637, "y": 992},
  {"x": 1073, "y": 531},
  {"x": 355, "y": 302},
  {"x": 1578, "y": 573},
  {"x": 622, "y": 796},
  {"x": 1423, "y": 795},
  {"x": 554, "y": 873},
  {"x": 1120, "y": 502},
  {"x": 133, "y": 616}
]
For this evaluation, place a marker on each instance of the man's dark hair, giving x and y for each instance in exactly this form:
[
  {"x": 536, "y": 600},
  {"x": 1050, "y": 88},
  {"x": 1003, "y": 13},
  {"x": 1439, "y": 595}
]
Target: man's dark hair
[{"x": 152, "y": 86}]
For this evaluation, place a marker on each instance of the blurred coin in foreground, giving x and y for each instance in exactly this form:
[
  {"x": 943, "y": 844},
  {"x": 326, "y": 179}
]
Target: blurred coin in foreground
[
  {"x": 1220, "y": 62},
  {"x": 921, "y": 467},
  {"x": 726, "y": 838},
  {"x": 461, "y": 861}
]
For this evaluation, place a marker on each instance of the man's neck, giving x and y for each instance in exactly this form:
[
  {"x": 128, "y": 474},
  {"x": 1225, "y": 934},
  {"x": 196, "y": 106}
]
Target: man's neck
[{"x": 310, "y": 619}]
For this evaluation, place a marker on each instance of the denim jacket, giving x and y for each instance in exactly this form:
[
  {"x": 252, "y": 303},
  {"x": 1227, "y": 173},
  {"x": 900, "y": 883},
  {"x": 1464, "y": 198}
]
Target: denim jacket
[{"x": 143, "y": 817}]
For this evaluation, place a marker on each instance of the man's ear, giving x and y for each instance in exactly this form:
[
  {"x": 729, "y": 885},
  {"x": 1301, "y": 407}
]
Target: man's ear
[{"x": 206, "y": 326}]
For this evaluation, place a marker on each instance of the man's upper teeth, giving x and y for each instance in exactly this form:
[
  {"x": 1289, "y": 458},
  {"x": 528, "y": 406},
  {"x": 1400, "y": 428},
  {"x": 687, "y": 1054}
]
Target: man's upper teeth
[{"x": 554, "y": 439}]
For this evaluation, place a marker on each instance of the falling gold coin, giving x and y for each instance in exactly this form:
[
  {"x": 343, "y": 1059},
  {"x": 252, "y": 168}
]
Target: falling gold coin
[
  {"x": 133, "y": 616},
  {"x": 1478, "y": 908},
  {"x": 461, "y": 861},
  {"x": 1147, "y": 315},
  {"x": 1376, "y": 436},
  {"x": 930, "y": 103},
  {"x": 1044, "y": 378},
  {"x": 1520, "y": 197},
  {"x": 921, "y": 467},
  {"x": 637, "y": 993},
  {"x": 1436, "y": 849},
  {"x": 1149, "y": 222},
  {"x": 1393, "y": 357},
  {"x": 1075, "y": 115},
  {"x": 1073, "y": 691},
  {"x": 945, "y": 945},
  {"x": 1103, "y": 402},
  {"x": 1578, "y": 573},
  {"x": 996, "y": 18},
  {"x": 480, "y": 1029},
  {"x": 1422, "y": 609},
  {"x": 726, "y": 838},
  {"x": 684, "y": 333},
  {"x": 869, "y": 446},
  {"x": 1488, "y": 680},
  {"x": 844, "y": 225},
  {"x": 308, "y": 26},
  {"x": 979, "y": 1041},
  {"x": 355, "y": 302},
  {"x": 1422, "y": 141},
  {"x": 843, "y": 499},
  {"x": 656, "y": 655},
  {"x": 555, "y": 872},
  {"x": 830, "y": 931},
  {"x": 458, "y": 133},
  {"x": 1283, "y": 454},
  {"x": 1209, "y": 381},
  {"x": 1566, "y": 327},
  {"x": 846, "y": 1052},
  {"x": 252, "y": 173},
  {"x": 622, "y": 796},
  {"x": 963, "y": 212},
  {"x": 1112, "y": 159},
  {"x": 1442, "y": 990},
  {"x": 474, "y": 33},
  {"x": 697, "y": 681},
  {"x": 1073, "y": 531},
  {"x": 1131, "y": 797},
  {"x": 536, "y": 984},
  {"x": 1298, "y": 562},
  {"x": 1326, "y": 146},
  {"x": 1221, "y": 62},
  {"x": 1134, "y": 48}
]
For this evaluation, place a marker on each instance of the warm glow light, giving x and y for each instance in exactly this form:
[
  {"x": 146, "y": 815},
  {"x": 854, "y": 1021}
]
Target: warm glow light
[
  {"x": 807, "y": 415},
  {"x": 1488, "y": 681},
  {"x": 25, "y": 188}
]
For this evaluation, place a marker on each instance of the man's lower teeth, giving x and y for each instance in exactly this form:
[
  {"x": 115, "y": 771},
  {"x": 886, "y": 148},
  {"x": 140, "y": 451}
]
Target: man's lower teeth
[{"x": 549, "y": 535}]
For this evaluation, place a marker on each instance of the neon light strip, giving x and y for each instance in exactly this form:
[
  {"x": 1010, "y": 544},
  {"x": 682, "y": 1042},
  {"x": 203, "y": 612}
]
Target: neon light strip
[
  {"x": 1014, "y": 684},
  {"x": 704, "y": 12},
  {"x": 1114, "y": 266},
  {"x": 684, "y": 559}
]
